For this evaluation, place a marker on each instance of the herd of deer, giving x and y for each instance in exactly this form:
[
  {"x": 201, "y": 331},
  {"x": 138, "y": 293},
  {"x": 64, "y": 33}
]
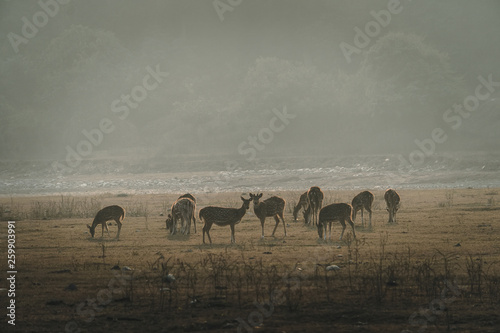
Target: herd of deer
[{"x": 184, "y": 208}]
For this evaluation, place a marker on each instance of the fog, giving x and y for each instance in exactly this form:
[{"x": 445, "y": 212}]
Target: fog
[{"x": 154, "y": 81}]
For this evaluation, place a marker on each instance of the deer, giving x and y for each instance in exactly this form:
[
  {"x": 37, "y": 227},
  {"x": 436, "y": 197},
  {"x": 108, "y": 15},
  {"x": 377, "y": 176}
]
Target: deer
[
  {"x": 272, "y": 206},
  {"x": 183, "y": 209},
  {"x": 335, "y": 212},
  {"x": 315, "y": 199},
  {"x": 392, "y": 200},
  {"x": 222, "y": 216},
  {"x": 360, "y": 201},
  {"x": 106, "y": 214},
  {"x": 190, "y": 196},
  {"x": 302, "y": 204}
]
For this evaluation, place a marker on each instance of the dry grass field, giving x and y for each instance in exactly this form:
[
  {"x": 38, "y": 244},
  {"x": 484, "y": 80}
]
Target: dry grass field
[{"x": 437, "y": 269}]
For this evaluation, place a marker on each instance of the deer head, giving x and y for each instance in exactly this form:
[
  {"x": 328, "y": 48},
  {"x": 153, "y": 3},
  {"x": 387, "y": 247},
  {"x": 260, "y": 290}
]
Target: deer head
[{"x": 92, "y": 230}]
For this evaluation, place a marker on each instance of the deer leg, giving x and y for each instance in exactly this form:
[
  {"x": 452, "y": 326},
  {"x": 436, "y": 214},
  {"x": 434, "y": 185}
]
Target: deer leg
[
  {"x": 206, "y": 229},
  {"x": 342, "y": 222},
  {"x": 362, "y": 218},
  {"x": 369, "y": 215},
  {"x": 119, "y": 228},
  {"x": 283, "y": 220},
  {"x": 276, "y": 226},
  {"x": 352, "y": 226},
  {"x": 184, "y": 225},
  {"x": 174, "y": 224},
  {"x": 262, "y": 221},
  {"x": 233, "y": 240},
  {"x": 105, "y": 225},
  {"x": 194, "y": 222},
  {"x": 187, "y": 222}
]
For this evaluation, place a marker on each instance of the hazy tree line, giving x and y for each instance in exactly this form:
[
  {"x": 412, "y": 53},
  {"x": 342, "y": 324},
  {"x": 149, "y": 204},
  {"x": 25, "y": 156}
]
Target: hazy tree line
[{"x": 224, "y": 78}]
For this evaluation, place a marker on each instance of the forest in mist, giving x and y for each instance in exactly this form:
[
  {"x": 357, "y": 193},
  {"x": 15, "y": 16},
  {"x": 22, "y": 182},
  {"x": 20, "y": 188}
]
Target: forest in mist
[{"x": 191, "y": 77}]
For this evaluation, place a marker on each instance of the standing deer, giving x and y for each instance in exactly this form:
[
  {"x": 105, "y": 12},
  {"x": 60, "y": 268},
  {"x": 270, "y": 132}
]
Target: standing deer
[
  {"x": 106, "y": 214},
  {"x": 393, "y": 202},
  {"x": 302, "y": 204},
  {"x": 190, "y": 196},
  {"x": 183, "y": 209},
  {"x": 360, "y": 201},
  {"x": 335, "y": 212},
  {"x": 273, "y": 206},
  {"x": 315, "y": 199},
  {"x": 222, "y": 217}
]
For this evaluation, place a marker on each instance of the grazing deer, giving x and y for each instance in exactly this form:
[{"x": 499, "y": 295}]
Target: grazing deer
[
  {"x": 360, "y": 201},
  {"x": 393, "y": 202},
  {"x": 222, "y": 217},
  {"x": 106, "y": 214},
  {"x": 273, "y": 206},
  {"x": 315, "y": 199},
  {"x": 183, "y": 209},
  {"x": 302, "y": 204},
  {"x": 190, "y": 196},
  {"x": 335, "y": 212}
]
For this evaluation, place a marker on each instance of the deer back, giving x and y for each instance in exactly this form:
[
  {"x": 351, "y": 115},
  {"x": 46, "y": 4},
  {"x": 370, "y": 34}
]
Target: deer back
[
  {"x": 335, "y": 212},
  {"x": 189, "y": 196},
  {"x": 361, "y": 199},
  {"x": 109, "y": 213},
  {"x": 182, "y": 206},
  {"x": 270, "y": 207},
  {"x": 221, "y": 215}
]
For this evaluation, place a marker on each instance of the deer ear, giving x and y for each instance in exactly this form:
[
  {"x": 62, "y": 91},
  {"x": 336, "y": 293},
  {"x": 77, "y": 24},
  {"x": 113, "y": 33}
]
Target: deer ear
[{"x": 260, "y": 195}]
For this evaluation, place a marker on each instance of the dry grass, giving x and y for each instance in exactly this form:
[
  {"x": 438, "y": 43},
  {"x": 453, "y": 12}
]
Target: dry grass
[{"x": 392, "y": 278}]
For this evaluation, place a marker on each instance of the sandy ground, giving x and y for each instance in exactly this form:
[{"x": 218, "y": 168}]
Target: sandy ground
[{"x": 65, "y": 280}]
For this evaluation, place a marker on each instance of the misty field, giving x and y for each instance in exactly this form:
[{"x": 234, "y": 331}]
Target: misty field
[{"x": 437, "y": 269}]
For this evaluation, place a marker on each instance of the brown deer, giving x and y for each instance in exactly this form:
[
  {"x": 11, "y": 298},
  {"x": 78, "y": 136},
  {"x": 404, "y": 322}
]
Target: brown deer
[
  {"x": 273, "y": 206},
  {"x": 106, "y": 214},
  {"x": 190, "y": 196},
  {"x": 335, "y": 212},
  {"x": 302, "y": 204},
  {"x": 222, "y": 217},
  {"x": 183, "y": 209},
  {"x": 360, "y": 201},
  {"x": 315, "y": 199},
  {"x": 392, "y": 200}
]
